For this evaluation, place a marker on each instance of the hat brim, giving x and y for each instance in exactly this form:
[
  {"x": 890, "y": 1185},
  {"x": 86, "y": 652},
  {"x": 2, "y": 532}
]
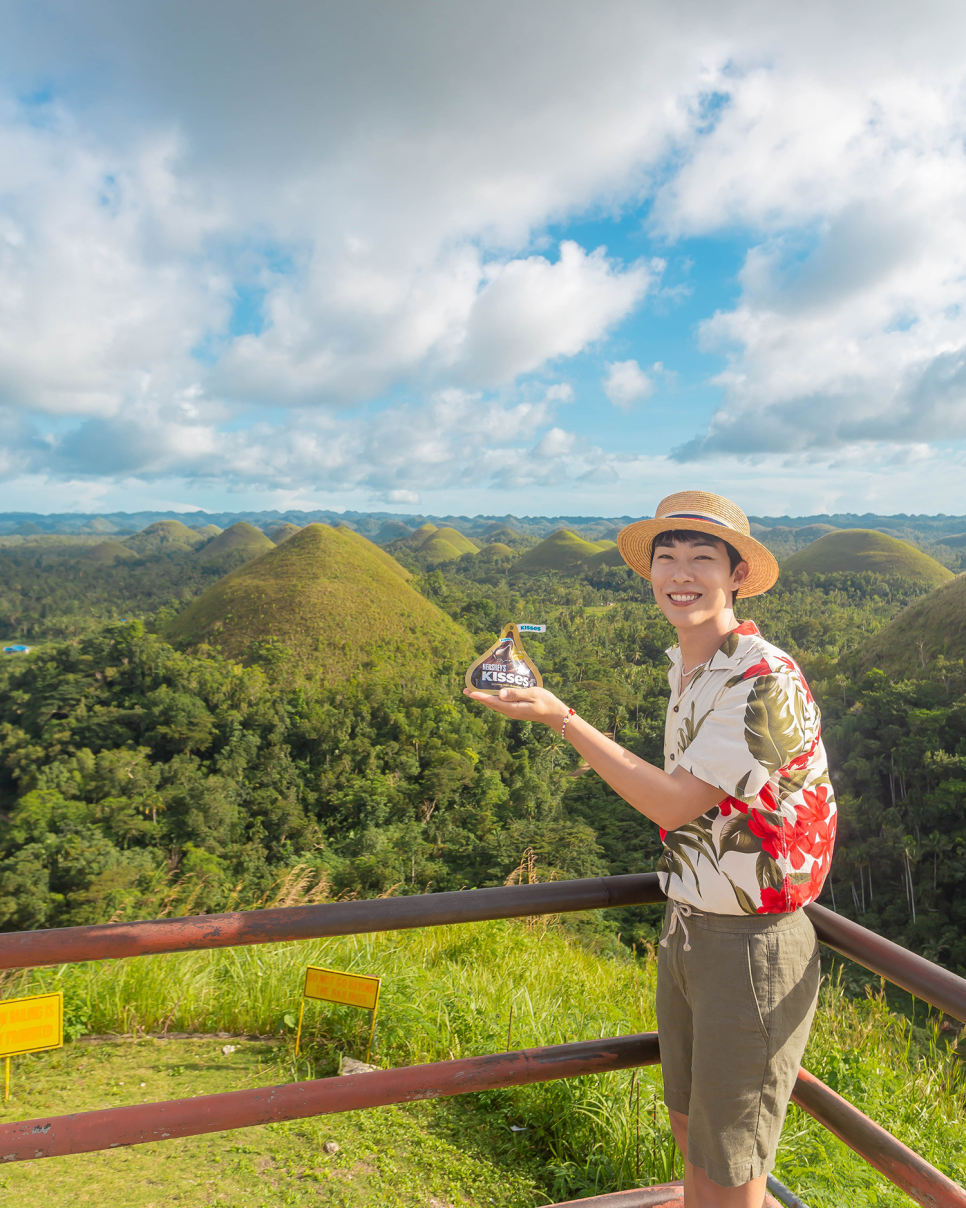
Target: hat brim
[{"x": 636, "y": 542}]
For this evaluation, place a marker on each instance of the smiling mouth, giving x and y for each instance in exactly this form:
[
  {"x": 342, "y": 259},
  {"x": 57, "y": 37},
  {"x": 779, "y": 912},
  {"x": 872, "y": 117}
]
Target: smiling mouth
[{"x": 683, "y": 597}]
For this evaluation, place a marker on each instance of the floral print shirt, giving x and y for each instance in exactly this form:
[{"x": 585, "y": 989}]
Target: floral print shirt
[{"x": 748, "y": 724}]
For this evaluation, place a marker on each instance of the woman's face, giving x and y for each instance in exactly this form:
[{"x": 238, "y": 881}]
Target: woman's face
[{"x": 693, "y": 584}]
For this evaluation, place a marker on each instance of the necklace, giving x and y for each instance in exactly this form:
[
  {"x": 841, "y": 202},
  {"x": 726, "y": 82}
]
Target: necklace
[{"x": 696, "y": 667}]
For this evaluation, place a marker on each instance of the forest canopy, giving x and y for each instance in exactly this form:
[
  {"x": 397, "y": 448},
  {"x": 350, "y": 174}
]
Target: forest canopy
[{"x": 139, "y": 777}]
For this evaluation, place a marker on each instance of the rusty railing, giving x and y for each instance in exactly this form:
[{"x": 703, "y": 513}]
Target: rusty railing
[{"x": 114, "y": 1127}]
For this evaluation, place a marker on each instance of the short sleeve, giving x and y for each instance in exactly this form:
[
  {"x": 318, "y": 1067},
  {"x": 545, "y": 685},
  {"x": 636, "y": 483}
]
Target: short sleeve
[{"x": 756, "y": 727}]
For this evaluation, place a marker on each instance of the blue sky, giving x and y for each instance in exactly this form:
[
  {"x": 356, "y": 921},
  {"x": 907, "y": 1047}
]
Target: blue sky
[{"x": 560, "y": 260}]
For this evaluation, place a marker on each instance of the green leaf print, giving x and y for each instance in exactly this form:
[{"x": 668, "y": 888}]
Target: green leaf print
[
  {"x": 689, "y": 729},
  {"x": 745, "y": 900},
  {"x": 736, "y": 836},
  {"x": 768, "y": 872},
  {"x": 694, "y": 837},
  {"x": 772, "y": 732},
  {"x": 729, "y": 645}
]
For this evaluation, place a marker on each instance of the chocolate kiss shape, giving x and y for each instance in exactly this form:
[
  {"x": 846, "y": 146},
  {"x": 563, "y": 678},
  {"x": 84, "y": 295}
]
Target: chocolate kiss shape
[{"x": 505, "y": 665}]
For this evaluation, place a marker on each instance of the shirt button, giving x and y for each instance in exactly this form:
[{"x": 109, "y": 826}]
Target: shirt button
[
  {"x": 672, "y": 757},
  {"x": 675, "y": 708}
]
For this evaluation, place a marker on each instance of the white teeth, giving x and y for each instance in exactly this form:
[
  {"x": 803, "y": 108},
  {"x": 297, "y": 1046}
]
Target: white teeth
[{"x": 680, "y": 599}]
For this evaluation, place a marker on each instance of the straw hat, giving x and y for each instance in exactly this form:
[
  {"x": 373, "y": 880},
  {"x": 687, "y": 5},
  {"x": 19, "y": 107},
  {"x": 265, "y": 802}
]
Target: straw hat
[{"x": 700, "y": 512}]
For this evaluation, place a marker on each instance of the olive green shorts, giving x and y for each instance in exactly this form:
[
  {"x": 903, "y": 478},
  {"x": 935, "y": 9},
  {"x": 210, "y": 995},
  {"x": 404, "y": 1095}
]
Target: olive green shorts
[{"x": 733, "y": 1016}]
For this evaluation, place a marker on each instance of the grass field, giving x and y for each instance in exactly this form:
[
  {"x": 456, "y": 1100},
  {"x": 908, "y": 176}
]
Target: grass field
[
  {"x": 447, "y": 992},
  {"x": 413, "y": 1155}
]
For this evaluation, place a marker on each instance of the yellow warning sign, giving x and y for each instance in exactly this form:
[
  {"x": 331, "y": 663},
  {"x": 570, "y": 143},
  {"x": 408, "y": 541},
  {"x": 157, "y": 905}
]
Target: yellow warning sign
[
  {"x": 29, "y": 1025},
  {"x": 353, "y": 989}
]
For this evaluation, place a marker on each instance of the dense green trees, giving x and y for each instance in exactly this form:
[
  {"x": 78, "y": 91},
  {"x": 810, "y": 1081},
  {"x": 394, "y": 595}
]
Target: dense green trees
[{"x": 137, "y": 779}]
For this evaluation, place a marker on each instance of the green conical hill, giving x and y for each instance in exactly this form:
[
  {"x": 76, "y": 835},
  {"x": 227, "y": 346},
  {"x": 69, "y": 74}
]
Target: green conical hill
[
  {"x": 609, "y": 557},
  {"x": 496, "y": 549},
  {"x": 562, "y": 551},
  {"x": 956, "y": 541},
  {"x": 813, "y": 531},
  {"x": 392, "y": 530},
  {"x": 373, "y": 550},
  {"x": 208, "y": 531},
  {"x": 240, "y": 538},
  {"x": 282, "y": 533},
  {"x": 865, "y": 550},
  {"x": 423, "y": 533},
  {"x": 106, "y": 553},
  {"x": 164, "y": 537},
  {"x": 455, "y": 538},
  {"x": 933, "y": 625},
  {"x": 327, "y": 596},
  {"x": 438, "y": 550}
]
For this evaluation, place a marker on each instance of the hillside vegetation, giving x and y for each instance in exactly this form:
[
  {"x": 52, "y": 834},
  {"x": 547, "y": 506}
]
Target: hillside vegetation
[
  {"x": 447, "y": 993},
  {"x": 239, "y": 538},
  {"x": 563, "y": 552},
  {"x": 333, "y": 600},
  {"x": 862, "y": 551},
  {"x": 932, "y": 626}
]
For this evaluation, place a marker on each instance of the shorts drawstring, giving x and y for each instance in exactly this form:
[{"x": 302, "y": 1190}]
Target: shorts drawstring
[{"x": 680, "y": 912}]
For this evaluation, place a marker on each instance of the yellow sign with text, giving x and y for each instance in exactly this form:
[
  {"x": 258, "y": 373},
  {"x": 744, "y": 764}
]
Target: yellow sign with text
[
  {"x": 30, "y": 1025},
  {"x": 352, "y": 989}
]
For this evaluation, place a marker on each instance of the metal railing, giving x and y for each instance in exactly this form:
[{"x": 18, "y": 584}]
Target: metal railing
[{"x": 114, "y": 1127}]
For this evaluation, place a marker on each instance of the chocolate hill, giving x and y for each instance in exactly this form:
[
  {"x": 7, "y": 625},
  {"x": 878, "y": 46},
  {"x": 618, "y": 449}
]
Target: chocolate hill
[
  {"x": 562, "y": 551},
  {"x": 864, "y": 550},
  {"x": 241, "y": 538},
  {"x": 165, "y": 537},
  {"x": 339, "y": 603},
  {"x": 934, "y": 625}
]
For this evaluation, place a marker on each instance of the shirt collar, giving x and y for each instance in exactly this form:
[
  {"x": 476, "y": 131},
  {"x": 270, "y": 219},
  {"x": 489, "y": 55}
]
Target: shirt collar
[{"x": 722, "y": 660}]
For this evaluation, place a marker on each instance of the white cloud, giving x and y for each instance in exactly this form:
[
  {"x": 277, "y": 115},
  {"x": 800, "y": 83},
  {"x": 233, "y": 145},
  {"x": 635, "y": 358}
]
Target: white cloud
[
  {"x": 247, "y": 205},
  {"x": 626, "y": 383},
  {"x": 399, "y": 497}
]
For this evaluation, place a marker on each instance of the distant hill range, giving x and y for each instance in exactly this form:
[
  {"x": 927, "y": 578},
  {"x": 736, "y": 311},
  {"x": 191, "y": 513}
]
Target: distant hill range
[
  {"x": 340, "y": 604},
  {"x": 865, "y": 550},
  {"x": 931, "y": 626},
  {"x": 508, "y": 545},
  {"x": 386, "y": 527}
]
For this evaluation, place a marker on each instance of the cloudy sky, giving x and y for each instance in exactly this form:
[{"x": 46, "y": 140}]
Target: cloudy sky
[{"x": 520, "y": 256}]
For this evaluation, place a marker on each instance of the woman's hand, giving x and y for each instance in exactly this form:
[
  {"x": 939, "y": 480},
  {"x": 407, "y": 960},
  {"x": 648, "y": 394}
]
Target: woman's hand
[{"x": 525, "y": 704}]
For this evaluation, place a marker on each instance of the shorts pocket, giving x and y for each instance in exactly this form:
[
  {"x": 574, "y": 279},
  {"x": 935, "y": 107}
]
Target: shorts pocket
[{"x": 758, "y": 972}]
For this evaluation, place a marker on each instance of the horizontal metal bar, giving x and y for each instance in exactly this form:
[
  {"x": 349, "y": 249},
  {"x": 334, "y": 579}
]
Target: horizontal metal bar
[
  {"x": 932, "y": 983},
  {"x": 112, "y": 1127},
  {"x": 22, "y": 949},
  {"x": 667, "y": 1195},
  {"x": 900, "y": 1164}
]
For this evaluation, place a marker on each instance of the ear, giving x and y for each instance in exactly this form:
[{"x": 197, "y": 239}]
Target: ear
[{"x": 741, "y": 573}]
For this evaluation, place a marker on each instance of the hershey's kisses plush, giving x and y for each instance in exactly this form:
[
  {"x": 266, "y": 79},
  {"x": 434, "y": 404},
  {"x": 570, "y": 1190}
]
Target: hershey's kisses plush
[{"x": 505, "y": 665}]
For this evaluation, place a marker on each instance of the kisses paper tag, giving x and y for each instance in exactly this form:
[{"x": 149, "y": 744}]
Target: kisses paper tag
[{"x": 505, "y": 665}]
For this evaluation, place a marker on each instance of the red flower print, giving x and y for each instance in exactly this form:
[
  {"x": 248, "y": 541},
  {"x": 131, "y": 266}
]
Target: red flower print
[
  {"x": 747, "y": 629},
  {"x": 732, "y": 803},
  {"x": 777, "y": 839},
  {"x": 663, "y": 833},
  {"x": 801, "y": 761},
  {"x": 761, "y": 668}
]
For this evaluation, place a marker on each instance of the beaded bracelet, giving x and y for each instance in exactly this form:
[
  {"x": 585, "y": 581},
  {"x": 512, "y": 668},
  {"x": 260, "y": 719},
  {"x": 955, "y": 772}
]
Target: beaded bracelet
[{"x": 563, "y": 728}]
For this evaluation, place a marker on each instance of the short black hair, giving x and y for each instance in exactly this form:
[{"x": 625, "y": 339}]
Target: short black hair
[{"x": 672, "y": 537}]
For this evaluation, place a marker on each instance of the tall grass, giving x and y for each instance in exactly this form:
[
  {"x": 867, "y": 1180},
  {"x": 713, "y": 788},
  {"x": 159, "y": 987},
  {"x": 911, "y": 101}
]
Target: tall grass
[{"x": 448, "y": 992}]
